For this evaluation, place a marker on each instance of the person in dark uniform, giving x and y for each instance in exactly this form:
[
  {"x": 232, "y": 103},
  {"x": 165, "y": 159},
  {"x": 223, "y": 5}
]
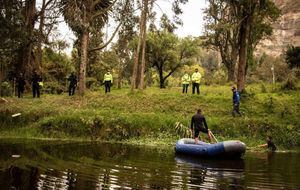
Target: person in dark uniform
[
  {"x": 270, "y": 144},
  {"x": 236, "y": 101},
  {"x": 35, "y": 80},
  {"x": 198, "y": 124},
  {"x": 73, "y": 84},
  {"x": 21, "y": 85}
]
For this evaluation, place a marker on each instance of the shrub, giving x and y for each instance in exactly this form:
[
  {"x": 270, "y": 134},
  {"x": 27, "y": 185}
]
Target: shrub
[
  {"x": 90, "y": 81},
  {"x": 6, "y": 89},
  {"x": 290, "y": 82},
  {"x": 53, "y": 88},
  {"x": 263, "y": 88}
]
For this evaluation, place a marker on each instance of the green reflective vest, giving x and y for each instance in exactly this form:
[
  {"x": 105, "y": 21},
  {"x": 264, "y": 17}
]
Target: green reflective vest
[
  {"x": 196, "y": 77},
  {"x": 185, "y": 79},
  {"x": 108, "y": 77}
]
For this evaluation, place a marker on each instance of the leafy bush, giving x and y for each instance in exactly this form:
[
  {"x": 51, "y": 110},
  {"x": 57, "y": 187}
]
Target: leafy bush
[
  {"x": 6, "y": 89},
  {"x": 53, "y": 88},
  {"x": 90, "y": 81},
  {"x": 290, "y": 82},
  {"x": 292, "y": 56},
  {"x": 264, "y": 70}
]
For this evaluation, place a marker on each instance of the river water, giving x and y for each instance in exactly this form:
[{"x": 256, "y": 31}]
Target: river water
[{"x": 61, "y": 165}]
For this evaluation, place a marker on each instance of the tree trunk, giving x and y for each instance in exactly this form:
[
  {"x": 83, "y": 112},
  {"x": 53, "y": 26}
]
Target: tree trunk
[
  {"x": 161, "y": 78},
  {"x": 83, "y": 61},
  {"x": 1, "y": 77},
  {"x": 41, "y": 35},
  {"x": 232, "y": 70},
  {"x": 137, "y": 55},
  {"x": 162, "y": 83},
  {"x": 135, "y": 68},
  {"x": 244, "y": 35},
  {"x": 26, "y": 49},
  {"x": 231, "y": 74},
  {"x": 120, "y": 75},
  {"x": 144, "y": 35}
]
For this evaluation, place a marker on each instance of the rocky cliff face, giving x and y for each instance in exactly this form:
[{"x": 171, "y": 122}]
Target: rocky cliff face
[{"x": 286, "y": 29}]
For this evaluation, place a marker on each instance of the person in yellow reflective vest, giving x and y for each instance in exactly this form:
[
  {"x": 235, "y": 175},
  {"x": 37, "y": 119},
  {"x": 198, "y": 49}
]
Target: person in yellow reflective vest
[
  {"x": 185, "y": 82},
  {"x": 108, "y": 80},
  {"x": 196, "y": 77}
]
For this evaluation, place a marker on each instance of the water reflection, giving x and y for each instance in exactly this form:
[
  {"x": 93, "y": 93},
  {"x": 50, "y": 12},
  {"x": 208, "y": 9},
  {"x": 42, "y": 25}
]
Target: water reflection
[
  {"x": 44, "y": 165},
  {"x": 212, "y": 173}
]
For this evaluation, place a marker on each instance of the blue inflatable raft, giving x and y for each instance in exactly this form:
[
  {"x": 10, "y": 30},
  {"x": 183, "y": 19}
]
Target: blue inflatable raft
[{"x": 232, "y": 149}]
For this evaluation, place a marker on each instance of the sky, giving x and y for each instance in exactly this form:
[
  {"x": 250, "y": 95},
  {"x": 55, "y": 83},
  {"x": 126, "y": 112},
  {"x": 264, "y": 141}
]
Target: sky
[
  {"x": 192, "y": 16},
  {"x": 192, "y": 19}
]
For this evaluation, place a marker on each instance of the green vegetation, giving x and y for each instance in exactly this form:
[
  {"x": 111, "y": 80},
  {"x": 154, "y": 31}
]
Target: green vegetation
[{"x": 149, "y": 117}]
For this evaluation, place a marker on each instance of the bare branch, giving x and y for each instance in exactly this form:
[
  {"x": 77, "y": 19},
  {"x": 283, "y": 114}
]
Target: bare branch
[{"x": 111, "y": 38}]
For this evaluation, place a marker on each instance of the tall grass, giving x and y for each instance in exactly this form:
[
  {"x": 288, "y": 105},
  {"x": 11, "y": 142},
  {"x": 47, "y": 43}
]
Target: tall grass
[{"x": 153, "y": 113}]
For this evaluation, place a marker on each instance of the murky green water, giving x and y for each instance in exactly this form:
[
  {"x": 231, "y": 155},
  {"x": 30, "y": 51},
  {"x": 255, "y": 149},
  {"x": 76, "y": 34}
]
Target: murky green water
[{"x": 48, "y": 165}]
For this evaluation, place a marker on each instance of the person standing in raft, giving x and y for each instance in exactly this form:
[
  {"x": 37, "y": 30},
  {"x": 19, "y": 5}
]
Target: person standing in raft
[
  {"x": 198, "y": 120},
  {"x": 73, "y": 84},
  {"x": 270, "y": 144},
  {"x": 236, "y": 101},
  {"x": 36, "y": 81},
  {"x": 196, "y": 77},
  {"x": 21, "y": 85},
  {"x": 185, "y": 82},
  {"x": 108, "y": 80}
]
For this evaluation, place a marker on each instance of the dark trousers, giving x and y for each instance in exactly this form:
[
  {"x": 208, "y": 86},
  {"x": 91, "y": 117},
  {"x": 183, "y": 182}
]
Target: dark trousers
[
  {"x": 185, "y": 88},
  {"x": 36, "y": 90},
  {"x": 72, "y": 90},
  {"x": 196, "y": 86},
  {"x": 20, "y": 92},
  {"x": 107, "y": 86},
  {"x": 236, "y": 109}
]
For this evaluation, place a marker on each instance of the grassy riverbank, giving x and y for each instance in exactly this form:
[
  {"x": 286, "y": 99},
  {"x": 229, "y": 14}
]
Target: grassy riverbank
[{"x": 149, "y": 117}]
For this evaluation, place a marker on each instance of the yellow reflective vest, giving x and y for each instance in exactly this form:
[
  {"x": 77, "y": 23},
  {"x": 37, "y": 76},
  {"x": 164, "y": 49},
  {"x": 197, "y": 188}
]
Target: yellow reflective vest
[
  {"x": 185, "y": 79},
  {"x": 196, "y": 77},
  {"x": 108, "y": 77}
]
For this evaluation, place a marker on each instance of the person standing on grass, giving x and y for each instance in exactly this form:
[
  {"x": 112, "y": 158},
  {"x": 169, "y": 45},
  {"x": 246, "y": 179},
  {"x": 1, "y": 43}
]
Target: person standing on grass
[
  {"x": 73, "y": 84},
  {"x": 196, "y": 77},
  {"x": 236, "y": 101},
  {"x": 108, "y": 80},
  {"x": 21, "y": 85},
  {"x": 185, "y": 82},
  {"x": 36, "y": 80},
  {"x": 198, "y": 124}
]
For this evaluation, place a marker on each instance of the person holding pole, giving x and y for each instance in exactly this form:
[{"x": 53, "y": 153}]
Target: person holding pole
[{"x": 198, "y": 124}]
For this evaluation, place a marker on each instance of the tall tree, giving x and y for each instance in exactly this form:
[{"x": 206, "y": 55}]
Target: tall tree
[
  {"x": 236, "y": 27},
  {"x": 126, "y": 34},
  {"x": 11, "y": 36},
  {"x": 143, "y": 39},
  {"x": 167, "y": 53},
  {"x": 141, "y": 44},
  {"x": 48, "y": 15},
  {"x": 222, "y": 34},
  {"x": 83, "y": 17},
  {"x": 138, "y": 72},
  {"x": 255, "y": 18},
  {"x": 26, "y": 51}
]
